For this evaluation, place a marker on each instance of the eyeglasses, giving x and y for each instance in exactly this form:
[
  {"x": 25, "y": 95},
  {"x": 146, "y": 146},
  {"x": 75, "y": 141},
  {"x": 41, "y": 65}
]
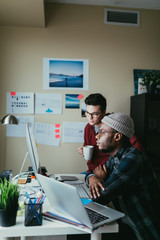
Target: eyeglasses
[
  {"x": 94, "y": 114},
  {"x": 102, "y": 132}
]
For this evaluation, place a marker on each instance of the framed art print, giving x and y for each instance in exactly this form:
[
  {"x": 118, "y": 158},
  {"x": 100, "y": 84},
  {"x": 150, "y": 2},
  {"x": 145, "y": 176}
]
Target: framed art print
[{"x": 65, "y": 74}]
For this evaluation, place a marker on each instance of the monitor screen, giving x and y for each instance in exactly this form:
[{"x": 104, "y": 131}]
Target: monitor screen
[{"x": 32, "y": 148}]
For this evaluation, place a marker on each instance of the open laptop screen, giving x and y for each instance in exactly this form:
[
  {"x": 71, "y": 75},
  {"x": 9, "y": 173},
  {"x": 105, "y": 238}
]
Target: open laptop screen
[{"x": 32, "y": 148}]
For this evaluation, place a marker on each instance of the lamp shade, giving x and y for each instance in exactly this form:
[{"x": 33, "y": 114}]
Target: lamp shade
[{"x": 9, "y": 119}]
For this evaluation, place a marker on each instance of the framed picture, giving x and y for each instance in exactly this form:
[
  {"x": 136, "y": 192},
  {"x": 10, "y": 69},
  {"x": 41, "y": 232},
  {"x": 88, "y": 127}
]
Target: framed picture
[
  {"x": 65, "y": 74},
  {"x": 138, "y": 75}
]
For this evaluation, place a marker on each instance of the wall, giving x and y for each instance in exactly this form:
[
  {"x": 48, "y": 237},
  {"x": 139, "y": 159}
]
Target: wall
[{"x": 73, "y": 31}]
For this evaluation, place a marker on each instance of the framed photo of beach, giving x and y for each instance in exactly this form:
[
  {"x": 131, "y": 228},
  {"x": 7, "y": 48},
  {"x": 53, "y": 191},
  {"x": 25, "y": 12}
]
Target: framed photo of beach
[{"x": 65, "y": 74}]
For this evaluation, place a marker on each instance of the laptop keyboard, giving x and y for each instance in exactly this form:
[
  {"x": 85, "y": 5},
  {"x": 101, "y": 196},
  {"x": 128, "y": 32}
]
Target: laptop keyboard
[
  {"x": 82, "y": 191},
  {"x": 95, "y": 217}
]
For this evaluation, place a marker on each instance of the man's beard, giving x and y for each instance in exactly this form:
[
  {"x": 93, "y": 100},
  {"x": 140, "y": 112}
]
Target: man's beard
[{"x": 107, "y": 150}]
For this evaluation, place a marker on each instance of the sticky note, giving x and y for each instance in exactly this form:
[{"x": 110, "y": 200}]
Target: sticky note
[
  {"x": 85, "y": 201},
  {"x": 13, "y": 93},
  {"x": 80, "y": 96},
  {"x": 57, "y": 125},
  {"x": 57, "y": 136},
  {"x": 57, "y": 130}
]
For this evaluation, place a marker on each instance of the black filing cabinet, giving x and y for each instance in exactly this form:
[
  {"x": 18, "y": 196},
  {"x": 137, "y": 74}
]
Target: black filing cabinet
[{"x": 145, "y": 111}]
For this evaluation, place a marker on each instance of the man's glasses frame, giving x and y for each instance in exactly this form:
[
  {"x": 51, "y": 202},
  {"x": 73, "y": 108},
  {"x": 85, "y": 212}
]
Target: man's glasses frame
[{"x": 94, "y": 114}]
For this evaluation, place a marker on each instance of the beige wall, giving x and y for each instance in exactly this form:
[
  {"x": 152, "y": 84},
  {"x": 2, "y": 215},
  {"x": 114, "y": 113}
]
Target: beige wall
[{"x": 73, "y": 31}]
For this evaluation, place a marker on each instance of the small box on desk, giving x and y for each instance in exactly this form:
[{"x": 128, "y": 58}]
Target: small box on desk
[{"x": 33, "y": 213}]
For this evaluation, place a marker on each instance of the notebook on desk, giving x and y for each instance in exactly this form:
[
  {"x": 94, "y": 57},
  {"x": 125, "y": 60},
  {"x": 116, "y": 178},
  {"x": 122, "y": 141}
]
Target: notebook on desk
[{"x": 65, "y": 199}]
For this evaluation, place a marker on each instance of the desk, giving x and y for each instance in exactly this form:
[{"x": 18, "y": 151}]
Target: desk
[{"x": 49, "y": 228}]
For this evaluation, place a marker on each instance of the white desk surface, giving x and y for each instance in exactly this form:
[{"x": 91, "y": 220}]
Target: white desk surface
[{"x": 50, "y": 228}]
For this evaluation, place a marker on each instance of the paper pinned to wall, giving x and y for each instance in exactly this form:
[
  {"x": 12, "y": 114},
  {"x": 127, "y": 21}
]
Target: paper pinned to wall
[
  {"x": 48, "y": 103},
  {"x": 48, "y": 134},
  {"x": 20, "y": 102},
  {"x": 20, "y": 129},
  {"x": 65, "y": 74},
  {"x": 72, "y": 101},
  {"x": 73, "y": 131}
]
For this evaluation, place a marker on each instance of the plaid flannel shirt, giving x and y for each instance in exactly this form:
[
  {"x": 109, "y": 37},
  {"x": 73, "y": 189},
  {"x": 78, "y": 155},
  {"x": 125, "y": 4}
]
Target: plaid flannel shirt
[{"x": 131, "y": 178}]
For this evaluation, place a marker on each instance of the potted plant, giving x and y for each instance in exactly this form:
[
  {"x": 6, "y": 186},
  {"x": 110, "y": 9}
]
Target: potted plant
[
  {"x": 151, "y": 79},
  {"x": 9, "y": 195}
]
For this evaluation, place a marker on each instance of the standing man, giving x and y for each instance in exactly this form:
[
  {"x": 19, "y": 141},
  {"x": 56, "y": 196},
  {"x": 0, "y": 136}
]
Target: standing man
[
  {"x": 95, "y": 110},
  {"x": 96, "y": 105},
  {"x": 127, "y": 178}
]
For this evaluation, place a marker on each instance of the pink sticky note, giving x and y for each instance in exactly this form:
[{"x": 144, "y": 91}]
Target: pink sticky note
[
  {"x": 57, "y": 130},
  {"x": 57, "y": 125},
  {"x": 13, "y": 93},
  {"x": 57, "y": 136},
  {"x": 80, "y": 96}
]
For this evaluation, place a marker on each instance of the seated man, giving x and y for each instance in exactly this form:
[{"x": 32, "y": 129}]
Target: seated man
[
  {"x": 127, "y": 178},
  {"x": 95, "y": 110}
]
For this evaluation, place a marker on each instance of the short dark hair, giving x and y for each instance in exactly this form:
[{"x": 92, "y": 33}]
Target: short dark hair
[{"x": 97, "y": 99}]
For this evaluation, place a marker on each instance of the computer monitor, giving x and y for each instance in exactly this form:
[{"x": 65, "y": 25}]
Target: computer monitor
[{"x": 32, "y": 148}]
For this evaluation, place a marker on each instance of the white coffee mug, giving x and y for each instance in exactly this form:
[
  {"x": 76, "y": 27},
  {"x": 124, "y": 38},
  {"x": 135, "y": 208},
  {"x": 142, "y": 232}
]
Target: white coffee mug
[{"x": 88, "y": 152}]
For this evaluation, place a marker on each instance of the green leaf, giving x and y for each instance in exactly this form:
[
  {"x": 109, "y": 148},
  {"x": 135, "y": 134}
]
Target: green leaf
[
  {"x": 151, "y": 77},
  {"x": 9, "y": 195}
]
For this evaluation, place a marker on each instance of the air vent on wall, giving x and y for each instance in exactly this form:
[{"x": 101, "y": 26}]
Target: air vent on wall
[{"x": 121, "y": 17}]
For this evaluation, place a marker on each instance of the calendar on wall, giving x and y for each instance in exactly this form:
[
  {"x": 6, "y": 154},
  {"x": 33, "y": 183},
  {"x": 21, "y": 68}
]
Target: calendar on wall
[{"x": 20, "y": 102}]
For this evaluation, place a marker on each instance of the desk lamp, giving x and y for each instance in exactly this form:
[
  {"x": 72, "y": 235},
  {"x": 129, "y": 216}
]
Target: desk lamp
[{"x": 9, "y": 119}]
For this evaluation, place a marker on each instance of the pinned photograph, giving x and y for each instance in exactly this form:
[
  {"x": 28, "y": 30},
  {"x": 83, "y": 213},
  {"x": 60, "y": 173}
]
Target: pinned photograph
[
  {"x": 65, "y": 73},
  {"x": 72, "y": 101},
  {"x": 83, "y": 109}
]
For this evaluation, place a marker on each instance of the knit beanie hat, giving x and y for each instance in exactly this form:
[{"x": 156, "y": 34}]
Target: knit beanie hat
[{"x": 121, "y": 122}]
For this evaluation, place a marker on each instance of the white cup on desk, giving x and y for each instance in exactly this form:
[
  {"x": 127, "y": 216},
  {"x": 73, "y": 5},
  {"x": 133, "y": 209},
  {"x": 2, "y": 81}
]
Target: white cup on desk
[{"x": 88, "y": 152}]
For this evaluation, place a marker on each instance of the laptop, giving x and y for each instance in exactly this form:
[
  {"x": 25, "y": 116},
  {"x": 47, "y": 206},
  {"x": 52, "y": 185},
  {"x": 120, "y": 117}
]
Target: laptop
[
  {"x": 83, "y": 190},
  {"x": 65, "y": 200}
]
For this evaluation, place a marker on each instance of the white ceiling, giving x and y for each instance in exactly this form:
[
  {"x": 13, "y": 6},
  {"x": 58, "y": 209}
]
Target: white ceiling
[
  {"x": 31, "y": 13},
  {"x": 145, "y": 4}
]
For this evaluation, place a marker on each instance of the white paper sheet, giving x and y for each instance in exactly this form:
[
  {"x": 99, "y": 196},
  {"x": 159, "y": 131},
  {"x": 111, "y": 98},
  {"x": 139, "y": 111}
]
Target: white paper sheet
[
  {"x": 73, "y": 131},
  {"x": 48, "y": 134},
  {"x": 20, "y": 129},
  {"x": 48, "y": 103},
  {"x": 20, "y": 102}
]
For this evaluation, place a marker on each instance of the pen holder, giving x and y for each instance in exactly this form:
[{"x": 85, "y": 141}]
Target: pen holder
[{"x": 33, "y": 213}]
